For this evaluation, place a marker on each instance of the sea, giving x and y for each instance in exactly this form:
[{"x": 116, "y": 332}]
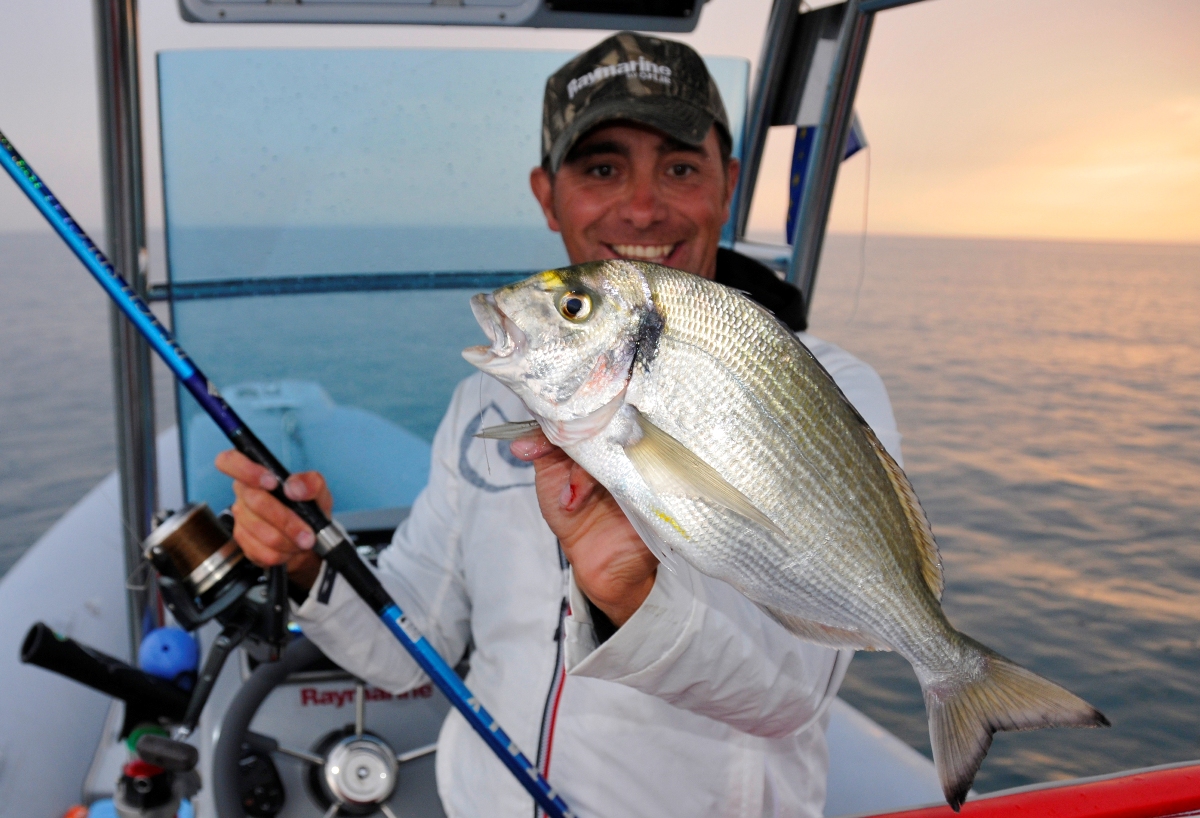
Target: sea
[{"x": 1049, "y": 398}]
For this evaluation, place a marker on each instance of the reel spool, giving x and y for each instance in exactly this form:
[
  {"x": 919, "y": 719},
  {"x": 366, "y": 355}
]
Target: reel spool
[{"x": 202, "y": 571}]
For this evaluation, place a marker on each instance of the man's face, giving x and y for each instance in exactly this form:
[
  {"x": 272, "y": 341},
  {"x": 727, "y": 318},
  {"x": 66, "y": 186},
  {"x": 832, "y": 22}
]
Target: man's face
[{"x": 629, "y": 191}]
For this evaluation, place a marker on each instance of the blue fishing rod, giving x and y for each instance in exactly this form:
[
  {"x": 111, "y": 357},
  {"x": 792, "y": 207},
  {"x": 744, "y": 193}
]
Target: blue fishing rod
[{"x": 333, "y": 544}]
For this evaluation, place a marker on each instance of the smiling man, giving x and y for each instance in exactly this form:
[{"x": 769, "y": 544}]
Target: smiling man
[
  {"x": 636, "y": 163},
  {"x": 654, "y": 693}
]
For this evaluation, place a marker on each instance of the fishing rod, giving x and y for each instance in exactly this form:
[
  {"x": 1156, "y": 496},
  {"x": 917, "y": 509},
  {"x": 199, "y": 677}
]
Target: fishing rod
[{"x": 333, "y": 543}]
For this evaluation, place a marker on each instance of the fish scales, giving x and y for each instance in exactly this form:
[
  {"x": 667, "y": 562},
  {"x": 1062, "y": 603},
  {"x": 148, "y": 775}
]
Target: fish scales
[
  {"x": 681, "y": 301},
  {"x": 729, "y": 446}
]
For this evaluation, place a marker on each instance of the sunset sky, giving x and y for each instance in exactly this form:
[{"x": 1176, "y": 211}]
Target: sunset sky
[
  {"x": 1071, "y": 119},
  {"x": 1046, "y": 118}
]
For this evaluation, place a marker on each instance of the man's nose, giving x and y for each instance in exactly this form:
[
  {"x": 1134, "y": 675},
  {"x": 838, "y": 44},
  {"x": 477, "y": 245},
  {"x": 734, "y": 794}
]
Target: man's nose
[{"x": 644, "y": 205}]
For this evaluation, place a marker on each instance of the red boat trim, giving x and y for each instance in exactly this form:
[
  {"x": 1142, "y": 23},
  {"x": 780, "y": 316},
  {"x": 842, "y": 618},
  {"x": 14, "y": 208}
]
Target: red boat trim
[{"x": 1155, "y": 792}]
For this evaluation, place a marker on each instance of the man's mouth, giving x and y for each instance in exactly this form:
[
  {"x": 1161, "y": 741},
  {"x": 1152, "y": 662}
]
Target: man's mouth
[
  {"x": 656, "y": 253},
  {"x": 506, "y": 337}
]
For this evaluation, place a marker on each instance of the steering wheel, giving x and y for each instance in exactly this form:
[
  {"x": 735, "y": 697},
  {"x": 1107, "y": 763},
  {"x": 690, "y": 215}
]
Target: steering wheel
[{"x": 351, "y": 771}]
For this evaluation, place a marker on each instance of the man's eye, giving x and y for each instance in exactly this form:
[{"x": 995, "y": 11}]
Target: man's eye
[
  {"x": 681, "y": 170},
  {"x": 602, "y": 171}
]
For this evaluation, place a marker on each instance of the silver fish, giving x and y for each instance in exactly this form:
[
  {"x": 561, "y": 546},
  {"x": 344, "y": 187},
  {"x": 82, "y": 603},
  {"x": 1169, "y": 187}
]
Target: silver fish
[{"x": 729, "y": 446}]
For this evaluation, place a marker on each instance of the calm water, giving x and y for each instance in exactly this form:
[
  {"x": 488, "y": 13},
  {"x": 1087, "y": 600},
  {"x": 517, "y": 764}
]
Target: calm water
[
  {"x": 1049, "y": 395},
  {"x": 56, "y": 421}
]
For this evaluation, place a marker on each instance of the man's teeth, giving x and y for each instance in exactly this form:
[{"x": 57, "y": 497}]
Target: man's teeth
[{"x": 643, "y": 250}]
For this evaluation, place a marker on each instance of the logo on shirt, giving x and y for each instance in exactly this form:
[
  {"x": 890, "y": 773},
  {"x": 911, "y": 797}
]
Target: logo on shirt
[{"x": 494, "y": 454}]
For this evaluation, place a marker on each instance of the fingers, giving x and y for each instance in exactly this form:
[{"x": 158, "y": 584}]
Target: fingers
[
  {"x": 266, "y": 544},
  {"x": 239, "y": 467},
  {"x": 577, "y": 489},
  {"x": 553, "y": 465},
  {"x": 267, "y": 530},
  {"x": 309, "y": 485},
  {"x": 533, "y": 447},
  {"x": 303, "y": 486}
]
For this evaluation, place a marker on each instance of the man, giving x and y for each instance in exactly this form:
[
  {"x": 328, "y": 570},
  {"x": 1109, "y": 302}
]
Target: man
[{"x": 652, "y": 693}]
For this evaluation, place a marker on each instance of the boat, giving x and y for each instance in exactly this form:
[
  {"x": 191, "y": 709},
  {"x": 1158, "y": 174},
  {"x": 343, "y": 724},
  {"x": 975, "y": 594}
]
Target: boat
[{"x": 274, "y": 182}]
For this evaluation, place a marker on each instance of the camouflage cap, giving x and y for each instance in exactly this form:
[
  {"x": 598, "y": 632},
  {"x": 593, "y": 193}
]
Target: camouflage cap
[{"x": 657, "y": 82}]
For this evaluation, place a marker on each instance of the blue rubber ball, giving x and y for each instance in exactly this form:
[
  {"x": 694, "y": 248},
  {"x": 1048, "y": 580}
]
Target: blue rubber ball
[{"x": 168, "y": 653}]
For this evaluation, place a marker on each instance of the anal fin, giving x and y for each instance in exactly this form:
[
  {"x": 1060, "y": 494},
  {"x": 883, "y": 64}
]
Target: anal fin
[
  {"x": 659, "y": 548},
  {"x": 823, "y": 634}
]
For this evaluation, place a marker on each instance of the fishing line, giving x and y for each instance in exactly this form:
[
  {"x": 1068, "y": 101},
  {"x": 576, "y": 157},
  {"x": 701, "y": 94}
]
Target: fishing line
[
  {"x": 333, "y": 543},
  {"x": 487, "y": 461},
  {"x": 138, "y": 574}
]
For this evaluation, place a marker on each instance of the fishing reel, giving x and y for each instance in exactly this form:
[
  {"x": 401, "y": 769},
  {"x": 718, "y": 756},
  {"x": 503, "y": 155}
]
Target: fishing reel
[
  {"x": 203, "y": 575},
  {"x": 202, "y": 572}
]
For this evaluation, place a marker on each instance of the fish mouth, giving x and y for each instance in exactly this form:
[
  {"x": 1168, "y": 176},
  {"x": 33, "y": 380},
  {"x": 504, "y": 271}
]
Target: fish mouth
[{"x": 506, "y": 338}]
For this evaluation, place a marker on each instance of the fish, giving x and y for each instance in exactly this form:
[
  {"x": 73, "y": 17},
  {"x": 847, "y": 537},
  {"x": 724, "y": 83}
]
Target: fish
[{"x": 728, "y": 446}]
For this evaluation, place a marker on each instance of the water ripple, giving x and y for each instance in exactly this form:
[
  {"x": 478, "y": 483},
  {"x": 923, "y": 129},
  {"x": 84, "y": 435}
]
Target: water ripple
[{"x": 1049, "y": 397}]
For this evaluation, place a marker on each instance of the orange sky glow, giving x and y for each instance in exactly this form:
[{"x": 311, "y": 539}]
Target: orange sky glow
[
  {"x": 1057, "y": 119},
  {"x": 1060, "y": 119}
]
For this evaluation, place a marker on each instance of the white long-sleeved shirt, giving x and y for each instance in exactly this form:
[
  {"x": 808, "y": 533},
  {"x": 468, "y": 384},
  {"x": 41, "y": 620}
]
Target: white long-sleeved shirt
[{"x": 699, "y": 705}]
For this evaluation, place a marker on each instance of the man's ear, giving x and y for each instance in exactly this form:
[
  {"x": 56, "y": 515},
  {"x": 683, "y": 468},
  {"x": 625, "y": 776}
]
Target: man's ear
[
  {"x": 542, "y": 185},
  {"x": 733, "y": 170}
]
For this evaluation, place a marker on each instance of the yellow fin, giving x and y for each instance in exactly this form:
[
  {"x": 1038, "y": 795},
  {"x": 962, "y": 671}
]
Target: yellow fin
[
  {"x": 931, "y": 560},
  {"x": 509, "y": 431},
  {"x": 669, "y": 467}
]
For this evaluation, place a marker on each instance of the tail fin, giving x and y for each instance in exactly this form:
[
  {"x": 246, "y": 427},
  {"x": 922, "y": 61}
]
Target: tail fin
[{"x": 1002, "y": 696}]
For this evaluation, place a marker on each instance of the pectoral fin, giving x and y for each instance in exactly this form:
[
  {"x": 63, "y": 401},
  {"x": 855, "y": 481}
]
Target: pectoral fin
[
  {"x": 509, "y": 431},
  {"x": 669, "y": 467}
]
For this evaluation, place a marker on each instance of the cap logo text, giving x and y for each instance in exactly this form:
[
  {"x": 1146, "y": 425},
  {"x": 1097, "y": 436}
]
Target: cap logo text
[{"x": 641, "y": 68}]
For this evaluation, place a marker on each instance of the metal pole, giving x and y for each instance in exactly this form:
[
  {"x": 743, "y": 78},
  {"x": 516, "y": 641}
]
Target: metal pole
[
  {"x": 116, "y": 26},
  {"x": 781, "y": 23},
  {"x": 827, "y": 149}
]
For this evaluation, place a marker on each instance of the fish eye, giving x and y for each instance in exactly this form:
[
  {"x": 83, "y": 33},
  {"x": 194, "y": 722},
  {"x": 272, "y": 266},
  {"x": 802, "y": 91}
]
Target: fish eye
[{"x": 575, "y": 306}]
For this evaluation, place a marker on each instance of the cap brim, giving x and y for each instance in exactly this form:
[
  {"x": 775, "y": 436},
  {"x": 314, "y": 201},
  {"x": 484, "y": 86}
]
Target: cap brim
[{"x": 675, "y": 117}]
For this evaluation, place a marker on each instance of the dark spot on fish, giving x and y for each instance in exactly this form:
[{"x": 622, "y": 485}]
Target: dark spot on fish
[{"x": 646, "y": 342}]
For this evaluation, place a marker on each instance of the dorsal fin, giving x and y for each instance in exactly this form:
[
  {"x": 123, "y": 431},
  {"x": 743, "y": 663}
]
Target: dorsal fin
[{"x": 931, "y": 560}]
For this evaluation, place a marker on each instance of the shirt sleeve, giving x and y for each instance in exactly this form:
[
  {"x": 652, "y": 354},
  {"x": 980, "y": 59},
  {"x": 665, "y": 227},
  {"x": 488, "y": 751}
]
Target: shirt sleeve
[
  {"x": 702, "y": 646},
  {"x": 421, "y": 569}
]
